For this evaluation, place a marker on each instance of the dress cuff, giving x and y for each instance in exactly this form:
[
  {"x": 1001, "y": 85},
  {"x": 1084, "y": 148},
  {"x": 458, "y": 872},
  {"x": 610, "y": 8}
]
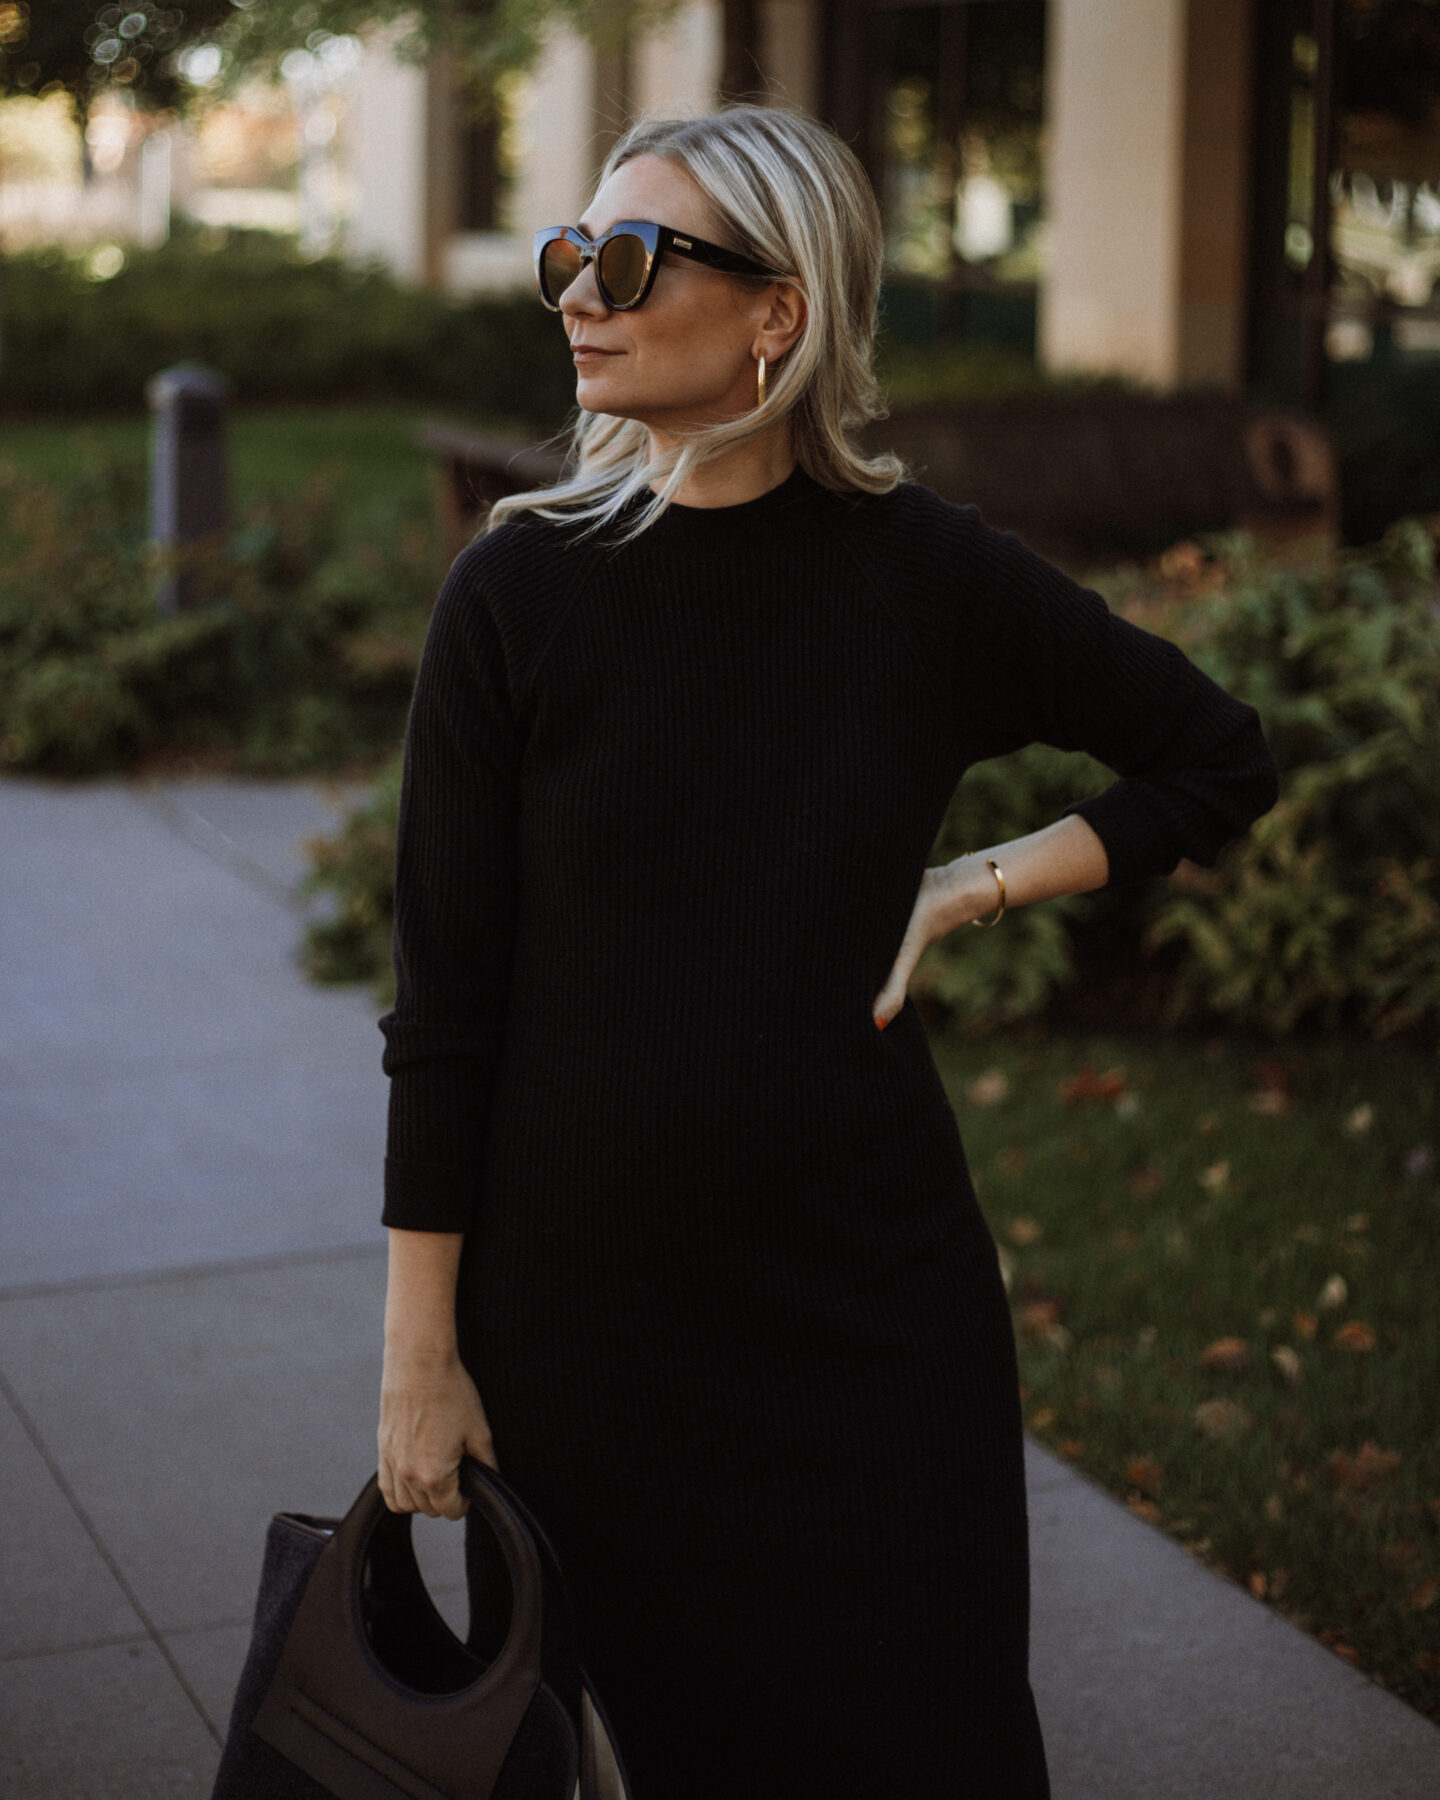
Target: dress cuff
[
  {"x": 1136, "y": 845},
  {"x": 428, "y": 1196}
]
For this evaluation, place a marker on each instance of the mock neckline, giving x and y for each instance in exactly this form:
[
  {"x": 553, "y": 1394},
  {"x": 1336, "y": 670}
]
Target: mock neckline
[{"x": 794, "y": 490}]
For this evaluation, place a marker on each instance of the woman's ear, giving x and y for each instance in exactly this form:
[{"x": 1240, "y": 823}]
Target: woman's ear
[{"x": 783, "y": 319}]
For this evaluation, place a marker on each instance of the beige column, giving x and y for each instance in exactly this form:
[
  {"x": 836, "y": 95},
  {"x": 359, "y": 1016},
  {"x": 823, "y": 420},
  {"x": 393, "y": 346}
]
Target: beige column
[
  {"x": 1148, "y": 174},
  {"x": 677, "y": 70},
  {"x": 790, "y": 52},
  {"x": 384, "y": 156},
  {"x": 1115, "y": 85}
]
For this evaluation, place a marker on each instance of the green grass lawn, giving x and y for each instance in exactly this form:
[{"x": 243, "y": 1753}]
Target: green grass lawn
[
  {"x": 372, "y": 450},
  {"x": 1222, "y": 1260}
]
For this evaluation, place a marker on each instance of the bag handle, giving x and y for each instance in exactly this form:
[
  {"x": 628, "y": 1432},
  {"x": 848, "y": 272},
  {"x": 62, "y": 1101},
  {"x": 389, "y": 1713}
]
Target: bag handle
[{"x": 338, "y": 1712}]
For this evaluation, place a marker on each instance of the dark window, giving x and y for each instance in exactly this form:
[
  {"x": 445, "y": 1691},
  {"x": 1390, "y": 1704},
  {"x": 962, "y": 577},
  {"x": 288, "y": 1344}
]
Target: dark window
[
  {"x": 484, "y": 175},
  {"x": 1345, "y": 254},
  {"x": 944, "y": 104}
]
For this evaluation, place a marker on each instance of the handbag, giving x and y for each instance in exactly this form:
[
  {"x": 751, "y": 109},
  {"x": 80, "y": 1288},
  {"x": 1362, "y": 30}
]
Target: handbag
[{"x": 355, "y": 1686}]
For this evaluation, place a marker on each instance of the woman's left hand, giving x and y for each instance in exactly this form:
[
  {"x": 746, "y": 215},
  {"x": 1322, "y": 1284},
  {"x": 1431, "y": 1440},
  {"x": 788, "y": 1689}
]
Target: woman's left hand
[{"x": 949, "y": 896}]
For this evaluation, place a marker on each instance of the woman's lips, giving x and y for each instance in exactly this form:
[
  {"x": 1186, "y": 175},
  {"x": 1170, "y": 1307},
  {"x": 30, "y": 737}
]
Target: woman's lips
[{"x": 588, "y": 353}]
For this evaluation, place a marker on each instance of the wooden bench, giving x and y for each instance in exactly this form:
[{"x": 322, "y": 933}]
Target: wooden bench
[
  {"x": 1086, "y": 478},
  {"x": 475, "y": 469}
]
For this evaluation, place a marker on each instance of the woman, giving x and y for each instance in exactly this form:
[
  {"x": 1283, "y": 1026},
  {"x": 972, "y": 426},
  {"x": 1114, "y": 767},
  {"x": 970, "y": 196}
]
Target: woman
[{"x": 659, "y": 1191}]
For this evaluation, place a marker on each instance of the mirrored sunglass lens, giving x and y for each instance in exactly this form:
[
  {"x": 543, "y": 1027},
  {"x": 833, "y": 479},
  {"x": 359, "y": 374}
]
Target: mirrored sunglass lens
[
  {"x": 559, "y": 265},
  {"x": 622, "y": 267}
]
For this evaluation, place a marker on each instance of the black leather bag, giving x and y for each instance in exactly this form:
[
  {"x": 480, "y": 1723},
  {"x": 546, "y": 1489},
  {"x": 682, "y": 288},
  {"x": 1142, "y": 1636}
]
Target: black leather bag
[{"x": 356, "y": 1687}]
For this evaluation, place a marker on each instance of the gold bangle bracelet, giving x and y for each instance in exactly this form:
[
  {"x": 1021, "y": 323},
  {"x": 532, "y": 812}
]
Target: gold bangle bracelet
[{"x": 999, "y": 913}]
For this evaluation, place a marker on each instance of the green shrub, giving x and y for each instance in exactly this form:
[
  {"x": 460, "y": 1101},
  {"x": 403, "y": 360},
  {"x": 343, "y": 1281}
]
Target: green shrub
[
  {"x": 1328, "y": 912},
  {"x": 300, "y": 656},
  {"x": 355, "y": 868},
  {"x": 278, "y": 327}
]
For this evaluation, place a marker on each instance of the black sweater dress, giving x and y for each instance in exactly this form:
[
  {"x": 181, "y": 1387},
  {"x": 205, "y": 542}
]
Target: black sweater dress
[{"x": 726, "y": 1294}]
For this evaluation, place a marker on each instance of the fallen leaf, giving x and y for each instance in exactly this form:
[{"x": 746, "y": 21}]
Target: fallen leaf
[
  {"x": 1425, "y": 1596},
  {"x": 1272, "y": 1097},
  {"x": 1231, "y": 1354},
  {"x": 1279, "y": 1581},
  {"x": 1274, "y": 1509},
  {"x": 1039, "y": 1323},
  {"x": 1023, "y": 1231},
  {"x": 1087, "y": 1085},
  {"x": 1043, "y": 1419},
  {"x": 1214, "y": 1178},
  {"x": 1145, "y": 1473},
  {"x": 1358, "y": 1222},
  {"x": 1354, "y": 1334},
  {"x": 1146, "y": 1182},
  {"x": 1142, "y": 1508},
  {"x": 1268, "y": 1073},
  {"x": 988, "y": 1089},
  {"x": 1257, "y": 1583},
  {"x": 1012, "y": 1159},
  {"x": 1347, "y": 1653},
  {"x": 1360, "y": 1120},
  {"x": 1222, "y": 1421},
  {"x": 1304, "y": 1325},
  {"x": 1035, "y": 1315},
  {"x": 1072, "y": 1447},
  {"x": 1287, "y": 1362},
  {"x": 1399, "y": 1554},
  {"x": 1369, "y": 1465},
  {"x": 1334, "y": 1294}
]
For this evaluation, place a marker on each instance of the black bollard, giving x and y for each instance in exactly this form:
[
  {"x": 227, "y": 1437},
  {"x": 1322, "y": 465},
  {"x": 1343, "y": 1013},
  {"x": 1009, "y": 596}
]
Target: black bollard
[{"x": 187, "y": 473}]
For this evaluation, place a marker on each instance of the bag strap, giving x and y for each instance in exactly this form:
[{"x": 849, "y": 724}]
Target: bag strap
[{"x": 602, "y": 1772}]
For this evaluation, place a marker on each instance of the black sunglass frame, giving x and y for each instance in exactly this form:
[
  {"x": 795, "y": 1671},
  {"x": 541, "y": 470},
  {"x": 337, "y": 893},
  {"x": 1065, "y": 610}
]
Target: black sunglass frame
[{"x": 656, "y": 240}]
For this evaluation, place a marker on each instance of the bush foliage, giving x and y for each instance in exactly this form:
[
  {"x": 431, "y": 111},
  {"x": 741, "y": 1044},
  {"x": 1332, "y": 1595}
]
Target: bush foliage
[
  {"x": 1327, "y": 913},
  {"x": 278, "y": 327},
  {"x": 300, "y": 656}
]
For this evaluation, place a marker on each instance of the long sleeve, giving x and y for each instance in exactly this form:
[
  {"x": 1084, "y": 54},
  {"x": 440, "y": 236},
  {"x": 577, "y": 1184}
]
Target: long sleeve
[
  {"x": 454, "y": 913},
  {"x": 1045, "y": 660}
]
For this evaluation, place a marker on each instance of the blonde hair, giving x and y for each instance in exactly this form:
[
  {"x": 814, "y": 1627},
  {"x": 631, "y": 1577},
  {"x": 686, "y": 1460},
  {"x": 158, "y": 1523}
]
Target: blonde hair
[{"x": 790, "y": 194}]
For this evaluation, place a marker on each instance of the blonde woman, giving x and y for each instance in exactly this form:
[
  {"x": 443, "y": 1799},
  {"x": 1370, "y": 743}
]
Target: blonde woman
[{"x": 681, "y": 1230}]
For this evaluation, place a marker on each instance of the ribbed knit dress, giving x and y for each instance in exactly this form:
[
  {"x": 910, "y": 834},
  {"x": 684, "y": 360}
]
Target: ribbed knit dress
[{"x": 726, "y": 1294}]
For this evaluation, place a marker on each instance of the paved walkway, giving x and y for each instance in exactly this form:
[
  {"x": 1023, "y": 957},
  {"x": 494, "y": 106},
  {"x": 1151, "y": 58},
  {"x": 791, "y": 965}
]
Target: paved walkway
[{"x": 191, "y": 1277}]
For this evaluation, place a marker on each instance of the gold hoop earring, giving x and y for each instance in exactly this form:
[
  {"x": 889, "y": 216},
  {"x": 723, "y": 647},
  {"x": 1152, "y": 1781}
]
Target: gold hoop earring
[{"x": 761, "y": 400}]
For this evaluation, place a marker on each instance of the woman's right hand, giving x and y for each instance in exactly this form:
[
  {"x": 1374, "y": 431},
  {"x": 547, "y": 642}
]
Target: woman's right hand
[{"x": 430, "y": 1416}]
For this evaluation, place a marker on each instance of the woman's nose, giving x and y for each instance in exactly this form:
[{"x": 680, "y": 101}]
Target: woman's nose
[{"x": 583, "y": 294}]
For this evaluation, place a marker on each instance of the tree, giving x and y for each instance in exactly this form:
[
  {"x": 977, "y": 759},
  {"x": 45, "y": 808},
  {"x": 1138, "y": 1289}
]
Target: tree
[{"x": 87, "y": 46}]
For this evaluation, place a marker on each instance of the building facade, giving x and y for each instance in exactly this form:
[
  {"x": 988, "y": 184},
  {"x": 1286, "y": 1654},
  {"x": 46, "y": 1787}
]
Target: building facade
[{"x": 1235, "y": 194}]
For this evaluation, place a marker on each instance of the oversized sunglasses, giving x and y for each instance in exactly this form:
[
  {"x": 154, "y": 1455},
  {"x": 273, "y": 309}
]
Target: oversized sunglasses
[{"x": 625, "y": 260}]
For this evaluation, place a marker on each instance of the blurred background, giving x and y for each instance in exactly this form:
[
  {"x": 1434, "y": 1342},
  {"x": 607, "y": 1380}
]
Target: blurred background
[
  {"x": 1215, "y": 198},
  {"x": 1161, "y": 295}
]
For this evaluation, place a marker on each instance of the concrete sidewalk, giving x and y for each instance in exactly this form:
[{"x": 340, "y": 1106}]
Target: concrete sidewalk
[{"x": 191, "y": 1278}]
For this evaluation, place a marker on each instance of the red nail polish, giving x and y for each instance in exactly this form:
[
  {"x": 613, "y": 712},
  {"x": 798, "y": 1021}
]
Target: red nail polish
[{"x": 879, "y": 1024}]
